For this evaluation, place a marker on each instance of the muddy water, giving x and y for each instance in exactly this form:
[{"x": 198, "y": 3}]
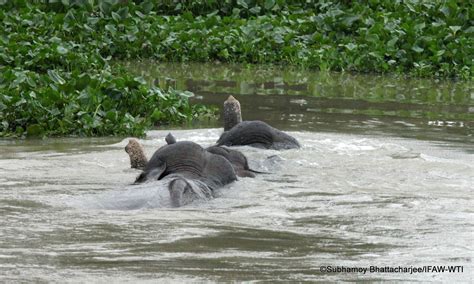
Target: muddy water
[
  {"x": 295, "y": 99},
  {"x": 347, "y": 198}
]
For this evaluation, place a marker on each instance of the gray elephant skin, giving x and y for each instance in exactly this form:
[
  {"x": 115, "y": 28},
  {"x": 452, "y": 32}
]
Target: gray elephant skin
[
  {"x": 194, "y": 172},
  {"x": 257, "y": 134},
  {"x": 238, "y": 160}
]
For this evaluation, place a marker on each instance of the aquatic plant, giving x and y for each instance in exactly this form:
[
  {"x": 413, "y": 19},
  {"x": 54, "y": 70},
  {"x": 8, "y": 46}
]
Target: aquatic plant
[
  {"x": 57, "y": 81},
  {"x": 420, "y": 38}
]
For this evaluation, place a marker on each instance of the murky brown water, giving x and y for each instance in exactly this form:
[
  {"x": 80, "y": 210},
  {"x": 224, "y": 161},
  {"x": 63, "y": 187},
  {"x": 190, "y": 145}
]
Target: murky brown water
[
  {"x": 312, "y": 101},
  {"x": 365, "y": 190}
]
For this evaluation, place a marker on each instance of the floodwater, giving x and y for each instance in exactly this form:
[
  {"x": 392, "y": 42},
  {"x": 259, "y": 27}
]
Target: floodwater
[
  {"x": 298, "y": 100},
  {"x": 365, "y": 190}
]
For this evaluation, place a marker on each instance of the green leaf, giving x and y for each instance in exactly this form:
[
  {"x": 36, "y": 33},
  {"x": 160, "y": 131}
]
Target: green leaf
[
  {"x": 88, "y": 28},
  {"x": 255, "y": 10},
  {"x": 469, "y": 30},
  {"x": 420, "y": 27},
  {"x": 111, "y": 28},
  {"x": 61, "y": 50},
  {"x": 139, "y": 14},
  {"x": 392, "y": 42},
  {"x": 278, "y": 38},
  {"x": 123, "y": 12},
  {"x": 140, "y": 80},
  {"x": 455, "y": 28},
  {"x": 116, "y": 17},
  {"x": 105, "y": 7},
  {"x": 242, "y": 3},
  {"x": 269, "y": 4},
  {"x": 55, "y": 77},
  {"x": 349, "y": 20},
  {"x": 146, "y": 6},
  {"x": 224, "y": 53},
  {"x": 417, "y": 49},
  {"x": 235, "y": 12},
  {"x": 351, "y": 46},
  {"x": 156, "y": 115}
]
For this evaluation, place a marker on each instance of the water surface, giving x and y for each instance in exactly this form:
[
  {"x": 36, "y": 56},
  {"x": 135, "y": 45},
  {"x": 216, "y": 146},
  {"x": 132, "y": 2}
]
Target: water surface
[
  {"x": 340, "y": 200},
  {"x": 388, "y": 187},
  {"x": 295, "y": 99}
]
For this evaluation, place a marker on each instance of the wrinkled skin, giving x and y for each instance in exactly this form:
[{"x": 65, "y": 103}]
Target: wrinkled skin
[
  {"x": 237, "y": 159},
  {"x": 184, "y": 191},
  {"x": 196, "y": 172},
  {"x": 257, "y": 134}
]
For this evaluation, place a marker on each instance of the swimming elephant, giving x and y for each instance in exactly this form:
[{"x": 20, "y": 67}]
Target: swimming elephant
[
  {"x": 237, "y": 159},
  {"x": 252, "y": 133},
  {"x": 257, "y": 134},
  {"x": 194, "y": 172}
]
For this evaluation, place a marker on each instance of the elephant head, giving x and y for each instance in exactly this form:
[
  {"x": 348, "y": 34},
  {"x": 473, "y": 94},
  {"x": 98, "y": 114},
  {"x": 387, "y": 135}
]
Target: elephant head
[
  {"x": 236, "y": 158},
  {"x": 190, "y": 161},
  {"x": 184, "y": 191},
  {"x": 193, "y": 173},
  {"x": 252, "y": 133},
  {"x": 257, "y": 134}
]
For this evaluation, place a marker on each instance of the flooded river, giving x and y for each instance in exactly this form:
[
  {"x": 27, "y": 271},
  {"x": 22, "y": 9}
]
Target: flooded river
[{"x": 381, "y": 180}]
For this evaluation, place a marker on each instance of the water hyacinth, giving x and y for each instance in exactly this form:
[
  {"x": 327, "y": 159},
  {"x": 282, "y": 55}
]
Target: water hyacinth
[{"x": 56, "y": 80}]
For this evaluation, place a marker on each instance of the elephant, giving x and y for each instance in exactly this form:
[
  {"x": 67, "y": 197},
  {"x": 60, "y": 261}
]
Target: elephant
[
  {"x": 257, "y": 134},
  {"x": 252, "y": 133},
  {"x": 192, "y": 171},
  {"x": 236, "y": 158}
]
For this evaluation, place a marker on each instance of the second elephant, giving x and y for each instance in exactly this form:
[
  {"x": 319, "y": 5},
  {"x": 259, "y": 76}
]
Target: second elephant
[
  {"x": 257, "y": 134},
  {"x": 193, "y": 171}
]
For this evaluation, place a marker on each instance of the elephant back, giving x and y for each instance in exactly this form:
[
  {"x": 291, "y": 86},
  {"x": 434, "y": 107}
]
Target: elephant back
[
  {"x": 218, "y": 171},
  {"x": 187, "y": 158},
  {"x": 255, "y": 133}
]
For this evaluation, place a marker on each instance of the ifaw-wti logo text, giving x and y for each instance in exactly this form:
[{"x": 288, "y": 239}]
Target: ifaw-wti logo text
[{"x": 393, "y": 269}]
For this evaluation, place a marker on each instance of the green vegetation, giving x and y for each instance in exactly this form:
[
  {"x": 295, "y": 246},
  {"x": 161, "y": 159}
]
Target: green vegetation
[
  {"x": 57, "y": 80},
  {"x": 424, "y": 38},
  {"x": 55, "y": 57}
]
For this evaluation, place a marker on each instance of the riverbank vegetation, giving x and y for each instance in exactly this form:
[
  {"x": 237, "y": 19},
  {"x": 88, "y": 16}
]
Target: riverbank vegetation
[
  {"x": 419, "y": 38},
  {"x": 57, "y": 76},
  {"x": 57, "y": 79}
]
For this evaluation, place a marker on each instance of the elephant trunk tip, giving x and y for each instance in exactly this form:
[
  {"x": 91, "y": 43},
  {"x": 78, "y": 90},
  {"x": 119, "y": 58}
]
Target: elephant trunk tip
[
  {"x": 232, "y": 113},
  {"x": 136, "y": 153}
]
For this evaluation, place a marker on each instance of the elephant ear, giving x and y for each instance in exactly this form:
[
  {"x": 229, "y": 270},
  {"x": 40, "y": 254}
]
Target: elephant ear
[{"x": 154, "y": 173}]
